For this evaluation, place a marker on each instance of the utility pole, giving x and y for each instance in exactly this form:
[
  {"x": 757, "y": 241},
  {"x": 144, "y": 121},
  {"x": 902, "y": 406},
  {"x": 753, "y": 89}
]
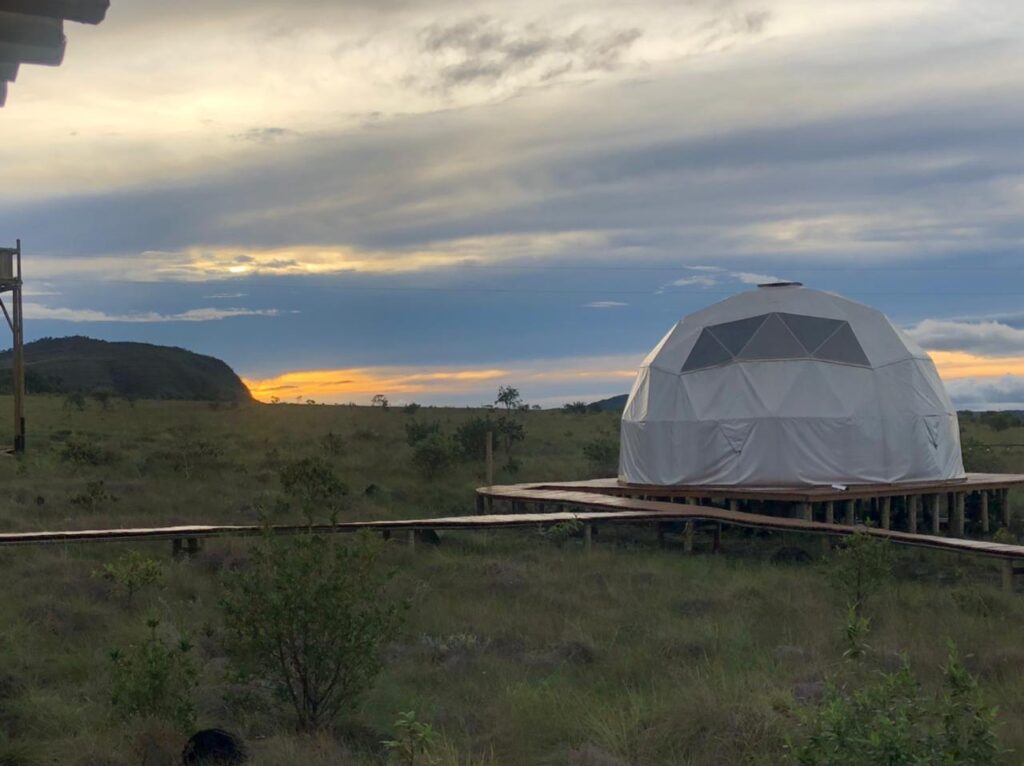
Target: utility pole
[{"x": 10, "y": 281}]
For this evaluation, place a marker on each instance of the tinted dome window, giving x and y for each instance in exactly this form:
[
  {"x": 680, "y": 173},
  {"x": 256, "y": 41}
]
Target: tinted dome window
[{"x": 776, "y": 336}]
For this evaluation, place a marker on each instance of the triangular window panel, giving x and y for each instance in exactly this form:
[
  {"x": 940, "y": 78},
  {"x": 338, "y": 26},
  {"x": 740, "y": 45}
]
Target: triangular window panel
[
  {"x": 707, "y": 352},
  {"x": 734, "y": 335},
  {"x": 773, "y": 341},
  {"x": 811, "y": 331},
  {"x": 736, "y": 434},
  {"x": 843, "y": 347}
]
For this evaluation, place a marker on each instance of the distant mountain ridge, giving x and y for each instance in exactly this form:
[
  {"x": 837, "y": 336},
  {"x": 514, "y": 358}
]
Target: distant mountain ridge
[
  {"x": 135, "y": 370},
  {"x": 611, "y": 404}
]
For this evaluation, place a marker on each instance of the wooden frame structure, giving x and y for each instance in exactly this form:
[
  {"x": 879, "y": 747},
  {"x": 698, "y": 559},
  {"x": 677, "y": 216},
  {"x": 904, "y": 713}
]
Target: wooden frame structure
[
  {"x": 32, "y": 32},
  {"x": 10, "y": 282}
]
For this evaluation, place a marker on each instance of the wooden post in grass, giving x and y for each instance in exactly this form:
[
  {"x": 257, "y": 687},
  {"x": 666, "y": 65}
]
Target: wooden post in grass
[
  {"x": 830, "y": 512},
  {"x": 983, "y": 502},
  {"x": 913, "y": 504},
  {"x": 957, "y": 515},
  {"x": 806, "y": 511},
  {"x": 688, "y": 537},
  {"x": 1004, "y": 504},
  {"x": 734, "y": 505},
  {"x": 885, "y": 509},
  {"x": 411, "y": 539},
  {"x": 933, "y": 509}
]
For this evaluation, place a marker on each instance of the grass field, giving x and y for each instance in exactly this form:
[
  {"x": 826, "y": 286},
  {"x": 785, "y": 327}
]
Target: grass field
[{"x": 516, "y": 649}]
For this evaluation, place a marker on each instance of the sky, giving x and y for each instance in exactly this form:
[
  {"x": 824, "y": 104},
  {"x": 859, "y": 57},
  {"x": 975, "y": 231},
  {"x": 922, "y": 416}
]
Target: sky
[{"x": 432, "y": 199}]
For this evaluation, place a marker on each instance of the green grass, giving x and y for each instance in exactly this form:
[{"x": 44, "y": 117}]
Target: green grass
[{"x": 515, "y": 649}]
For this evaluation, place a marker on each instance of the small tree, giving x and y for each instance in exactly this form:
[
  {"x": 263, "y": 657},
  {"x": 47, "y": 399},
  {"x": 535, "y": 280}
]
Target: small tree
[
  {"x": 155, "y": 679},
  {"x": 310, "y": 614},
  {"x": 312, "y": 483},
  {"x": 576, "y": 408},
  {"x": 413, "y": 743},
  {"x": 131, "y": 572},
  {"x": 509, "y": 398},
  {"x": 432, "y": 456},
  {"x": 379, "y": 400},
  {"x": 861, "y": 565}
]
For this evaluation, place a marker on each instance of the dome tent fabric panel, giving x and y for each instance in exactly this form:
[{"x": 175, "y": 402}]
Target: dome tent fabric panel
[{"x": 816, "y": 389}]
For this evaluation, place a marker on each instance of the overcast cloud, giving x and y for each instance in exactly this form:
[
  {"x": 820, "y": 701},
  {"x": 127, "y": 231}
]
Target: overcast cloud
[{"x": 370, "y": 184}]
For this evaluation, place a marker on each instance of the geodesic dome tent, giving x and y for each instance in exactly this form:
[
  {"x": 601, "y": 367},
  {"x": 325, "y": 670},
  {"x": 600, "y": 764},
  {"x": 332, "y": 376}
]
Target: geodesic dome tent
[{"x": 787, "y": 386}]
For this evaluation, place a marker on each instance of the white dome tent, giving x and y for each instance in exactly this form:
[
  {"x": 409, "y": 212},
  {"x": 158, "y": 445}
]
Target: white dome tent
[{"x": 787, "y": 386}]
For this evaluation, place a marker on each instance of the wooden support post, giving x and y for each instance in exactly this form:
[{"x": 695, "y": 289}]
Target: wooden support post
[
  {"x": 885, "y": 510},
  {"x": 411, "y": 539},
  {"x": 734, "y": 505},
  {"x": 192, "y": 546},
  {"x": 830, "y": 512},
  {"x": 848, "y": 513},
  {"x": 1007, "y": 570},
  {"x": 913, "y": 506},
  {"x": 716, "y": 538},
  {"x": 1004, "y": 504},
  {"x": 688, "y": 537},
  {"x": 983, "y": 503},
  {"x": 588, "y": 537},
  {"x": 933, "y": 510},
  {"x": 956, "y": 523},
  {"x": 386, "y": 534},
  {"x": 803, "y": 511},
  {"x": 177, "y": 549}
]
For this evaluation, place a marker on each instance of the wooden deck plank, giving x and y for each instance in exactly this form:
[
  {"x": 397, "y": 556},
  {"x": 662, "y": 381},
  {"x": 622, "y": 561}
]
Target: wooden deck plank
[{"x": 972, "y": 482}]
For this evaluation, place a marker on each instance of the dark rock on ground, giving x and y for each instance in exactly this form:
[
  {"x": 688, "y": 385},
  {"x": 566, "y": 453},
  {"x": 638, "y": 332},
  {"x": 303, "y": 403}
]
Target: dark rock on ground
[
  {"x": 213, "y": 747},
  {"x": 809, "y": 691},
  {"x": 791, "y": 555},
  {"x": 428, "y": 536},
  {"x": 789, "y": 654}
]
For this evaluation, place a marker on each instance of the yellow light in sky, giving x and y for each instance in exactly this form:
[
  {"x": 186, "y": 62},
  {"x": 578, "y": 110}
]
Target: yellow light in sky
[{"x": 360, "y": 384}]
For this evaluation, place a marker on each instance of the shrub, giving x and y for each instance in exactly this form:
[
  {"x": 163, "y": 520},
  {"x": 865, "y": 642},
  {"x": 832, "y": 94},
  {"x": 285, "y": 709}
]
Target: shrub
[
  {"x": 132, "y": 571},
  {"x": 309, "y": 615},
  {"x": 413, "y": 743},
  {"x": 193, "y": 456},
  {"x": 415, "y": 432},
  {"x": 892, "y": 721},
  {"x": 576, "y": 408},
  {"x": 155, "y": 679},
  {"x": 860, "y": 567},
  {"x": 560, "y": 533},
  {"x": 312, "y": 483},
  {"x": 603, "y": 456},
  {"x": 332, "y": 443},
  {"x": 411, "y": 408},
  {"x": 94, "y": 495},
  {"x": 81, "y": 452},
  {"x": 471, "y": 437},
  {"x": 432, "y": 456}
]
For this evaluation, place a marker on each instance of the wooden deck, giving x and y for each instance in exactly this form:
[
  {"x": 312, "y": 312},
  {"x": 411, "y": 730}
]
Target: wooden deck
[{"x": 973, "y": 482}]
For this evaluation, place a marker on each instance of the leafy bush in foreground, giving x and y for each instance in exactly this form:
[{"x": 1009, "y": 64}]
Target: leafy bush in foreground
[
  {"x": 892, "y": 721},
  {"x": 310, "y": 614},
  {"x": 155, "y": 679}
]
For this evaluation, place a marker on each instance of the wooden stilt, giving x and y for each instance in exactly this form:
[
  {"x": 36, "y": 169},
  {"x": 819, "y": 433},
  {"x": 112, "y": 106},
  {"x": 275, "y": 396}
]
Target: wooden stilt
[
  {"x": 885, "y": 510},
  {"x": 957, "y": 518},
  {"x": 411, "y": 539},
  {"x": 848, "y": 513},
  {"x": 803, "y": 511},
  {"x": 913, "y": 506},
  {"x": 933, "y": 509},
  {"x": 688, "y": 537},
  {"x": 983, "y": 503},
  {"x": 830, "y": 512},
  {"x": 734, "y": 505},
  {"x": 1004, "y": 504}
]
